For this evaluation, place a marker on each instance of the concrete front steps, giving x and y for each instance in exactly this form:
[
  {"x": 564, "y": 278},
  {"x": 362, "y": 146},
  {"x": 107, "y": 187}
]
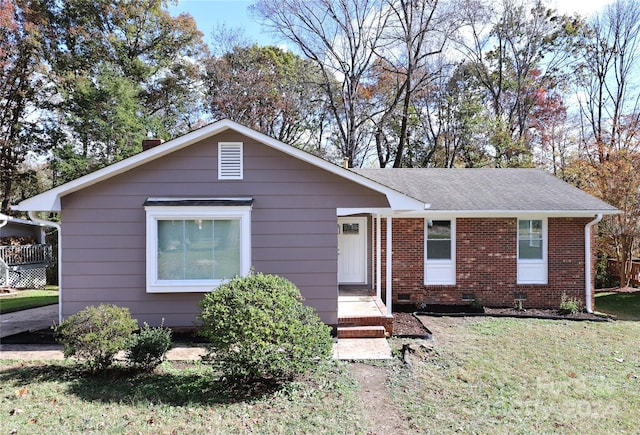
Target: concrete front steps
[
  {"x": 363, "y": 316},
  {"x": 361, "y": 332},
  {"x": 354, "y": 326}
]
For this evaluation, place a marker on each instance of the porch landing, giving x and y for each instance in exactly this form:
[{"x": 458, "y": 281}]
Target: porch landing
[{"x": 362, "y": 316}]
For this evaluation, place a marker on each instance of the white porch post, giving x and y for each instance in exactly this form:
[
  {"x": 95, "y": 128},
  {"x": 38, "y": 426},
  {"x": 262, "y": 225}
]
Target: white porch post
[
  {"x": 389, "y": 257},
  {"x": 378, "y": 258}
]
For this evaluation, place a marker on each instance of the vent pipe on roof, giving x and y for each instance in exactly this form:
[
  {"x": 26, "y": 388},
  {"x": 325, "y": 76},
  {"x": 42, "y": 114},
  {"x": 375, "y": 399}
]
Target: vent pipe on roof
[
  {"x": 345, "y": 163},
  {"x": 147, "y": 144}
]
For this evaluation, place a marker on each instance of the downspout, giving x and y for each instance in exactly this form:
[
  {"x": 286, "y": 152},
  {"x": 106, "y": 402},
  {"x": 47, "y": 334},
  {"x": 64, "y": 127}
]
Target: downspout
[
  {"x": 587, "y": 261},
  {"x": 33, "y": 215}
]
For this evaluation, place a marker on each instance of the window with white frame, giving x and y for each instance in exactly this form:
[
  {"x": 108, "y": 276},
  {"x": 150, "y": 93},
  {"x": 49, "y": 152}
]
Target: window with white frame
[
  {"x": 532, "y": 251},
  {"x": 195, "y": 245},
  {"x": 439, "y": 252}
]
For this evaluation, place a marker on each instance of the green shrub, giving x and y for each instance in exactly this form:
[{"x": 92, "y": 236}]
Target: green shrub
[
  {"x": 259, "y": 329},
  {"x": 569, "y": 305},
  {"x": 96, "y": 334},
  {"x": 147, "y": 348},
  {"x": 604, "y": 278}
]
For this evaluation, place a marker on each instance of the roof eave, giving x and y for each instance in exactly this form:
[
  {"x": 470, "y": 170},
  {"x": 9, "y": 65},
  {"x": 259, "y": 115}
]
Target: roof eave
[{"x": 514, "y": 213}]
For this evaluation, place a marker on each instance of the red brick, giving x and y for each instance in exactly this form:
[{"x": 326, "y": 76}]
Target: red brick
[{"x": 486, "y": 263}]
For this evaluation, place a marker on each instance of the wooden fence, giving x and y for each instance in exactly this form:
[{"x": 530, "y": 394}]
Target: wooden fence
[{"x": 635, "y": 271}]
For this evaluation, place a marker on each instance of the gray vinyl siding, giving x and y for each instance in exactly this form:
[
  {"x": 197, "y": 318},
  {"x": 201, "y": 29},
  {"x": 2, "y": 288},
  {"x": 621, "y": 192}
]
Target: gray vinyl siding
[{"x": 293, "y": 228}]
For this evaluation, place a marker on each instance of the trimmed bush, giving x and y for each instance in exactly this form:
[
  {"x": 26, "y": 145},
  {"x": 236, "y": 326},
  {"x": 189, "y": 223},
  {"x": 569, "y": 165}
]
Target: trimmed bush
[
  {"x": 259, "y": 329},
  {"x": 96, "y": 334},
  {"x": 148, "y": 348}
]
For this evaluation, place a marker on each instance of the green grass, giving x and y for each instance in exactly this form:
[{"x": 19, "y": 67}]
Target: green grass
[
  {"x": 56, "y": 398},
  {"x": 487, "y": 375},
  {"x": 623, "y": 306},
  {"x": 29, "y": 299},
  {"x": 478, "y": 375}
]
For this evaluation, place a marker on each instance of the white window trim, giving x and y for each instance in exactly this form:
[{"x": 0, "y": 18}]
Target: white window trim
[
  {"x": 537, "y": 267},
  {"x": 222, "y": 176},
  {"x": 446, "y": 267},
  {"x": 156, "y": 213}
]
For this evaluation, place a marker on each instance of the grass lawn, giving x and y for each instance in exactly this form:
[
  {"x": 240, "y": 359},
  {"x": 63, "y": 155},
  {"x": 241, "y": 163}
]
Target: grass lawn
[
  {"x": 487, "y": 375},
  {"x": 623, "y": 306},
  {"x": 478, "y": 375},
  {"x": 29, "y": 299},
  {"x": 55, "y": 398}
]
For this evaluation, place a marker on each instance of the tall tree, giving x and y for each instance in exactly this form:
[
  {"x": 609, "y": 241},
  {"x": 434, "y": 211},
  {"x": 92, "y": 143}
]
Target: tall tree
[
  {"x": 610, "y": 110},
  {"x": 416, "y": 31},
  {"x": 21, "y": 88},
  {"x": 514, "y": 48},
  {"x": 122, "y": 69},
  {"x": 341, "y": 37},
  {"x": 268, "y": 89}
]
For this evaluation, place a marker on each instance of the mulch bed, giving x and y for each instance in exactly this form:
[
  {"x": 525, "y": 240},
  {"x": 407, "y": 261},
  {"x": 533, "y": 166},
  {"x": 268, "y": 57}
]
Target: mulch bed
[
  {"x": 543, "y": 314},
  {"x": 405, "y": 324}
]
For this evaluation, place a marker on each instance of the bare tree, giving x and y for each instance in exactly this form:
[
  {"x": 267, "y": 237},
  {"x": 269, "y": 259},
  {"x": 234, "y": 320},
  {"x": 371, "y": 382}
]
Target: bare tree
[
  {"x": 610, "y": 110},
  {"x": 608, "y": 87},
  {"x": 514, "y": 47},
  {"x": 417, "y": 31},
  {"x": 341, "y": 37}
]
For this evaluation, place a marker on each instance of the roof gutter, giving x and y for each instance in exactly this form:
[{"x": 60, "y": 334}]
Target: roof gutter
[
  {"x": 587, "y": 261},
  {"x": 33, "y": 215}
]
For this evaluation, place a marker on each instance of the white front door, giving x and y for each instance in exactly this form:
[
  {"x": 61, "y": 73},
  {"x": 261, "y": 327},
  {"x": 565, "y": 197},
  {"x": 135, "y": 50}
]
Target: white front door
[{"x": 352, "y": 250}]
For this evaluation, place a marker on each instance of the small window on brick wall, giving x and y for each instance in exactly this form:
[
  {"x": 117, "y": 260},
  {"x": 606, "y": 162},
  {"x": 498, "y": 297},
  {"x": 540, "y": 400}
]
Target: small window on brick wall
[
  {"x": 439, "y": 252},
  {"x": 532, "y": 251}
]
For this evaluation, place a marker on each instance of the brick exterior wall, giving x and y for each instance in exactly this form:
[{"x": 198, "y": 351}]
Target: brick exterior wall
[{"x": 486, "y": 263}]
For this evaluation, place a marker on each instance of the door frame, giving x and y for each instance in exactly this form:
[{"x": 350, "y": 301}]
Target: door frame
[{"x": 364, "y": 222}]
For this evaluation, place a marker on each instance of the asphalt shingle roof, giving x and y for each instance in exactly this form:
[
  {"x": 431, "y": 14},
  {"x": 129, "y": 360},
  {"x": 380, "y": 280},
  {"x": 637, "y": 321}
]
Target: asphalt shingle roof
[{"x": 487, "y": 189}]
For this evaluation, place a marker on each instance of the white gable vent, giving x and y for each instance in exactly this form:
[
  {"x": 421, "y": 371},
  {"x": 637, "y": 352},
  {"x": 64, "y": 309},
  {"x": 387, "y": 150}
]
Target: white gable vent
[{"x": 230, "y": 161}]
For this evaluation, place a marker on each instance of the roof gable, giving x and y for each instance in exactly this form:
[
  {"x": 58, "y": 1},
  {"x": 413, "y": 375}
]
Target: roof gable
[{"x": 50, "y": 200}]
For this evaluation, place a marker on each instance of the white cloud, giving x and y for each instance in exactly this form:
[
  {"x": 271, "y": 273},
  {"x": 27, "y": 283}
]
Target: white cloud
[{"x": 584, "y": 7}]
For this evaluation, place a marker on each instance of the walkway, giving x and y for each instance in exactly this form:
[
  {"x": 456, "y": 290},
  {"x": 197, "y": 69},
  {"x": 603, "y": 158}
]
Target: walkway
[
  {"x": 28, "y": 320},
  {"x": 44, "y": 317}
]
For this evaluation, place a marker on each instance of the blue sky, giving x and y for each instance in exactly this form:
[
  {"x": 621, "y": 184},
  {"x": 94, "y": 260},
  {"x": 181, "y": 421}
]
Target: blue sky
[
  {"x": 235, "y": 14},
  {"x": 232, "y": 13}
]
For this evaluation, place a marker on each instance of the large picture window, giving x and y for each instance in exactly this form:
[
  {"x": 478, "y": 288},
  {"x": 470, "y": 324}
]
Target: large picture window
[
  {"x": 198, "y": 248},
  {"x": 440, "y": 265},
  {"x": 532, "y": 251},
  {"x": 195, "y": 248}
]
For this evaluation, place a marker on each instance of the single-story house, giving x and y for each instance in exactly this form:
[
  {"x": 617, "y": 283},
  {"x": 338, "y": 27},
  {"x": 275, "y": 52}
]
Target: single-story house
[{"x": 155, "y": 231}]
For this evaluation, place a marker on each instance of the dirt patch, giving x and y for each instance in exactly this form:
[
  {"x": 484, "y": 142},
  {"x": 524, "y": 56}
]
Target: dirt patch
[{"x": 383, "y": 417}]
